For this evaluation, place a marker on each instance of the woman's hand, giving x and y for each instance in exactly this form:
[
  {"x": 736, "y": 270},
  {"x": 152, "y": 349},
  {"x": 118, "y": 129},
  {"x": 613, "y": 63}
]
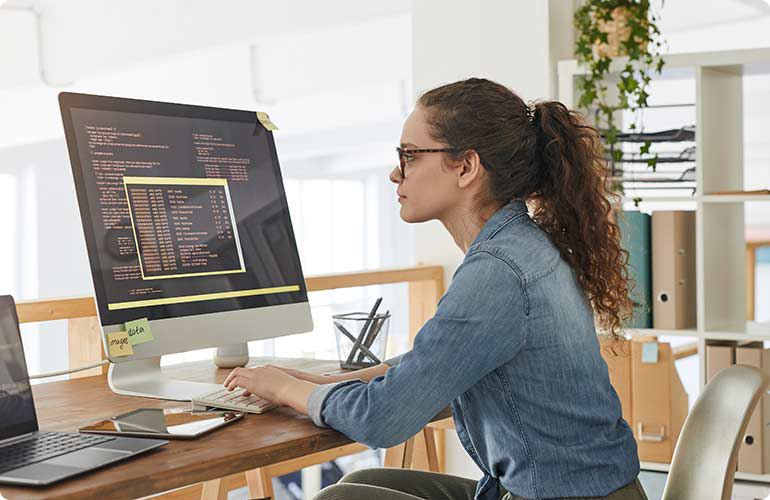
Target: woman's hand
[{"x": 273, "y": 384}]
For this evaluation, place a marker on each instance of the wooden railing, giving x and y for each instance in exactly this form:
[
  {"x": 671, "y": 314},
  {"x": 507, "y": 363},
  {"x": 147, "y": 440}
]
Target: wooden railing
[{"x": 426, "y": 285}]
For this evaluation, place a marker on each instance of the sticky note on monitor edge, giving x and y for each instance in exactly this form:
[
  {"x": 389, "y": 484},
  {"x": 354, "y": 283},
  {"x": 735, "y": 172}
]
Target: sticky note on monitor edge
[
  {"x": 265, "y": 121},
  {"x": 119, "y": 345},
  {"x": 139, "y": 331}
]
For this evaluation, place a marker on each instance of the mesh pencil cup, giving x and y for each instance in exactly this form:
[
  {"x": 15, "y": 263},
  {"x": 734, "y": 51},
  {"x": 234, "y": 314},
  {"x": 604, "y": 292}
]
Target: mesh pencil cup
[{"x": 361, "y": 339}]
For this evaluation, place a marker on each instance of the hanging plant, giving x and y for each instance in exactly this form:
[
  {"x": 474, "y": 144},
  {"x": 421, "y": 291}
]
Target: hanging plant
[{"x": 617, "y": 28}]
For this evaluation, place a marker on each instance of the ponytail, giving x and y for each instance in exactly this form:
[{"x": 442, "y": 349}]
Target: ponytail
[{"x": 572, "y": 204}]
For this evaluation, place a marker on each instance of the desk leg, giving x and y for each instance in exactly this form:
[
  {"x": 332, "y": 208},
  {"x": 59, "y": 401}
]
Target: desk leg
[
  {"x": 430, "y": 445},
  {"x": 214, "y": 490},
  {"x": 260, "y": 483},
  {"x": 311, "y": 481}
]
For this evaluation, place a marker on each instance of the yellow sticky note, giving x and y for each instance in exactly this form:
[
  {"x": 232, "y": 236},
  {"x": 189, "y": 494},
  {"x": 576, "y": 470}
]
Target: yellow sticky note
[
  {"x": 119, "y": 344},
  {"x": 139, "y": 331},
  {"x": 265, "y": 121}
]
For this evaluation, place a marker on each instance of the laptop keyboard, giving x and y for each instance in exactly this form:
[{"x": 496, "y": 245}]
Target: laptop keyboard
[{"x": 44, "y": 445}]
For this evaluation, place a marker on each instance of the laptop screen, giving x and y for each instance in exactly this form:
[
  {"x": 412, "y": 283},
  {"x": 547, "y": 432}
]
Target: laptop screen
[{"x": 17, "y": 411}]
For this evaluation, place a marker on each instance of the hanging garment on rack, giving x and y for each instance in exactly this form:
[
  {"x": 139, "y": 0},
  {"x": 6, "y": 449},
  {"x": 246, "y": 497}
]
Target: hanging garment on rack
[
  {"x": 686, "y": 155},
  {"x": 681, "y": 134}
]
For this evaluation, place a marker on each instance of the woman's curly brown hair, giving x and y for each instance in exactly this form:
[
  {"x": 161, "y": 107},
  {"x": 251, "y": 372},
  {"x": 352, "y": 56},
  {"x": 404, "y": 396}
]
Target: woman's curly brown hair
[{"x": 550, "y": 157}]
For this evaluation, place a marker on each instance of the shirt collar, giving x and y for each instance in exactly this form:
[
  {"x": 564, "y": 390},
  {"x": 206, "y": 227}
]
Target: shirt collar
[{"x": 500, "y": 219}]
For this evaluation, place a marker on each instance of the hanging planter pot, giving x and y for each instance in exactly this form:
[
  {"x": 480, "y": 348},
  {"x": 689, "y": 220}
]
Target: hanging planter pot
[
  {"x": 608, "y": 29},
  {"x": 618, "y": 30}
]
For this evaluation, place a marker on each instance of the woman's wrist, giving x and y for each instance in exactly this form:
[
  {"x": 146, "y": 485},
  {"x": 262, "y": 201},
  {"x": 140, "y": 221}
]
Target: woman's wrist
[{"x": 296, "y": 393}]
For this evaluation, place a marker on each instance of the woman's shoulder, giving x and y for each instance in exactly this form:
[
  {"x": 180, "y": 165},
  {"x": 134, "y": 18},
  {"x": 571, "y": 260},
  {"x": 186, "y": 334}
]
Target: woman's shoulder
[{"x": 524, "y": 246}]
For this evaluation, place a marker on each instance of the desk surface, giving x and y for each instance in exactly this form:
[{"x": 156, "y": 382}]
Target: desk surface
[{"x": 257, "y": 440}]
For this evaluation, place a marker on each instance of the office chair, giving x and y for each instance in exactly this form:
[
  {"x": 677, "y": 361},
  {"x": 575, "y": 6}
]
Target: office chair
[{"x": 706, "y": 454}]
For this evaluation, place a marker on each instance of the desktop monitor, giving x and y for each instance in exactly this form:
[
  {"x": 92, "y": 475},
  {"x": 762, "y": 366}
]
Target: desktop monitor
[{"x": 186, "y": 224}]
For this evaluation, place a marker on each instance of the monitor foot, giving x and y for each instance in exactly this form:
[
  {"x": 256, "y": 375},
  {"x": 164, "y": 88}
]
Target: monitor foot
[{"x": 144, "y": 378}]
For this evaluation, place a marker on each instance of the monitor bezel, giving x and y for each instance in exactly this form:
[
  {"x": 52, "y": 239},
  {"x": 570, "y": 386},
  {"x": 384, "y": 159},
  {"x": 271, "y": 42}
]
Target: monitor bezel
[{"x": 283, "y": 319}]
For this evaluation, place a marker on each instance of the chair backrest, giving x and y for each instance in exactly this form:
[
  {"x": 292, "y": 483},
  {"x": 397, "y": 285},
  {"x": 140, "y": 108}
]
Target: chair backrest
[{"x": 706, "y": 454}]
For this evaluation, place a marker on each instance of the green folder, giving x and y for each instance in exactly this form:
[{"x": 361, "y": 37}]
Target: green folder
[{"x": 635, "y": 238}]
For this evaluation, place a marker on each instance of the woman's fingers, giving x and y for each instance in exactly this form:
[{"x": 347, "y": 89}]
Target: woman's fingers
[
  {"x": 238, "y": 378},
  {"x": 241, "y": 382},
  {"x": 231, "y": 375}
]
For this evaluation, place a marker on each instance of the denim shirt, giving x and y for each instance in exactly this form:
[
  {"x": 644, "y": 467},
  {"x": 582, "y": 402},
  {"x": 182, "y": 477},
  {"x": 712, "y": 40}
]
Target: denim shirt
[{"x": 512, "y": 347}]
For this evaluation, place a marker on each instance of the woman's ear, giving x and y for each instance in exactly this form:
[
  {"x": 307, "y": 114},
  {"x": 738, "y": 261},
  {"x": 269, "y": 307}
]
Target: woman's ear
[{"x": 470, "y": 169}]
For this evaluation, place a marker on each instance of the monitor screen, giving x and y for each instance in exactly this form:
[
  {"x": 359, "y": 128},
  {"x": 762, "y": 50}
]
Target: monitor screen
[
  {"x": 183, "y": 208},
  {"x": 17, "y": 410}
]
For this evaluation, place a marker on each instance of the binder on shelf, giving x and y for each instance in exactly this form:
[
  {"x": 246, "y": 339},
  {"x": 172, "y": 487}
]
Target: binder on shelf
[
  {"x": 718, "y": 357},
  {"x": 659, "y": 402},
  {"x": 673, "y": 269},
  {"x": 635, "y": 239},
  {"x": 754, "y": 453}
]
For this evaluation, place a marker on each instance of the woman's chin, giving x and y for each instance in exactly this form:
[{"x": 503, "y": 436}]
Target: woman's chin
[{"x": 409, "y": 216}]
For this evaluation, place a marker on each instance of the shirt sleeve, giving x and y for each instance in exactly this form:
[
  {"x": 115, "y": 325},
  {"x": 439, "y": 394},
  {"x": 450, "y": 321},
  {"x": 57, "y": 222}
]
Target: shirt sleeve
[
  {"x": 478, "y": 326},
  {"x": 394, "y": 360}
]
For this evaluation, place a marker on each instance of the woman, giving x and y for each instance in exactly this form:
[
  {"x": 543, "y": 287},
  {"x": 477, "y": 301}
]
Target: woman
[{"x": 512, "y": 346}]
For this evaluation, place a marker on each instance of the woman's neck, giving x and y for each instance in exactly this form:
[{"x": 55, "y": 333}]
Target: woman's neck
[{"x": 464, "y": 223}]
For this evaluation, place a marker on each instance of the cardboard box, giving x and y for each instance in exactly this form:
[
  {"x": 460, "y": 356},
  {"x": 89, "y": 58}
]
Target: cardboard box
[
  {"x": 659, "y": 402},
  {"x": 718, "y": 357},
  {"x": 619, "y": 365}
]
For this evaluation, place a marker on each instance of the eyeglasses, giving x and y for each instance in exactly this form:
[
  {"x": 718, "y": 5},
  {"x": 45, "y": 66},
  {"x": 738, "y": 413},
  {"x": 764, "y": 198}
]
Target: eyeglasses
[{"x": 403, "y": 154}]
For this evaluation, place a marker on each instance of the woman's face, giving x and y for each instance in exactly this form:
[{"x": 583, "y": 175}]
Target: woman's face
[{"x": 429, "y": 187}]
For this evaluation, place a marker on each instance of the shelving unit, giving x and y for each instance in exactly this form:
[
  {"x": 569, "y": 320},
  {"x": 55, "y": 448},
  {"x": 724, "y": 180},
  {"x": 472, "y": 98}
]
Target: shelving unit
[{"x": 720, "y": 227}]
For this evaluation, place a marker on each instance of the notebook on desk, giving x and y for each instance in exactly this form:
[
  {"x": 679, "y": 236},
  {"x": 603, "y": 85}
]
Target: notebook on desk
[{"x": 29, "y": 456}]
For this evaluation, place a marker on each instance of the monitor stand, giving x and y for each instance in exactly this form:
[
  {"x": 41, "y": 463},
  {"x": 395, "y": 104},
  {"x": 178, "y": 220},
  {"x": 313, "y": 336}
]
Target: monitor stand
[{"x": 144, "y": 378}]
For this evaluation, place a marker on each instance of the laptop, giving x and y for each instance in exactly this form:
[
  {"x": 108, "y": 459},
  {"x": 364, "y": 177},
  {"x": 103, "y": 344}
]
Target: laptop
[{"x": 29, "y": 456}]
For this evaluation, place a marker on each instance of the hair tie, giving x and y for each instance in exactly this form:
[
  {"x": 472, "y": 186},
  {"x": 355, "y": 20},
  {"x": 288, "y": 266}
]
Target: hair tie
[{"x": 531, "y": 112}]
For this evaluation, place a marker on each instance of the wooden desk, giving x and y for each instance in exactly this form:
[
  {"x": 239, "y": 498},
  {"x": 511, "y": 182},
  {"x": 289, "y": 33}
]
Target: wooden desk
[{"x": 255, "y": 441}]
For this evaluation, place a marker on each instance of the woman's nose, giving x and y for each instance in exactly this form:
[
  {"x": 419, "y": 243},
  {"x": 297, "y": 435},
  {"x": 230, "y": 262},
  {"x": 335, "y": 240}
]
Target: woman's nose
[{"x": 395, "y": 176}]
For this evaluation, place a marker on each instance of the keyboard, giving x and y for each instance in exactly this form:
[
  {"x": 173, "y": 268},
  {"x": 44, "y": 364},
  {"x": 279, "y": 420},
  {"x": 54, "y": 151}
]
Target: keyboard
[
  {"x": 234, "y": 400},
  {"x": 44, "y": 445}
]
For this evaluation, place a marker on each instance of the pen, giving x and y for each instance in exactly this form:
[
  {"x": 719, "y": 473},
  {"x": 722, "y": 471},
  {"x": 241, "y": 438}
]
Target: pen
[
  {"x": 360, "y": 338},
  {"x": 352, "y": 338},
  {"x": 373, "y": 331}
]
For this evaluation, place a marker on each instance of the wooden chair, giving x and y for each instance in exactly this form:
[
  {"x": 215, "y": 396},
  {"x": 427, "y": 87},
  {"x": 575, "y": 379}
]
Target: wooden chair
[{"x": 423, "y": 451}]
